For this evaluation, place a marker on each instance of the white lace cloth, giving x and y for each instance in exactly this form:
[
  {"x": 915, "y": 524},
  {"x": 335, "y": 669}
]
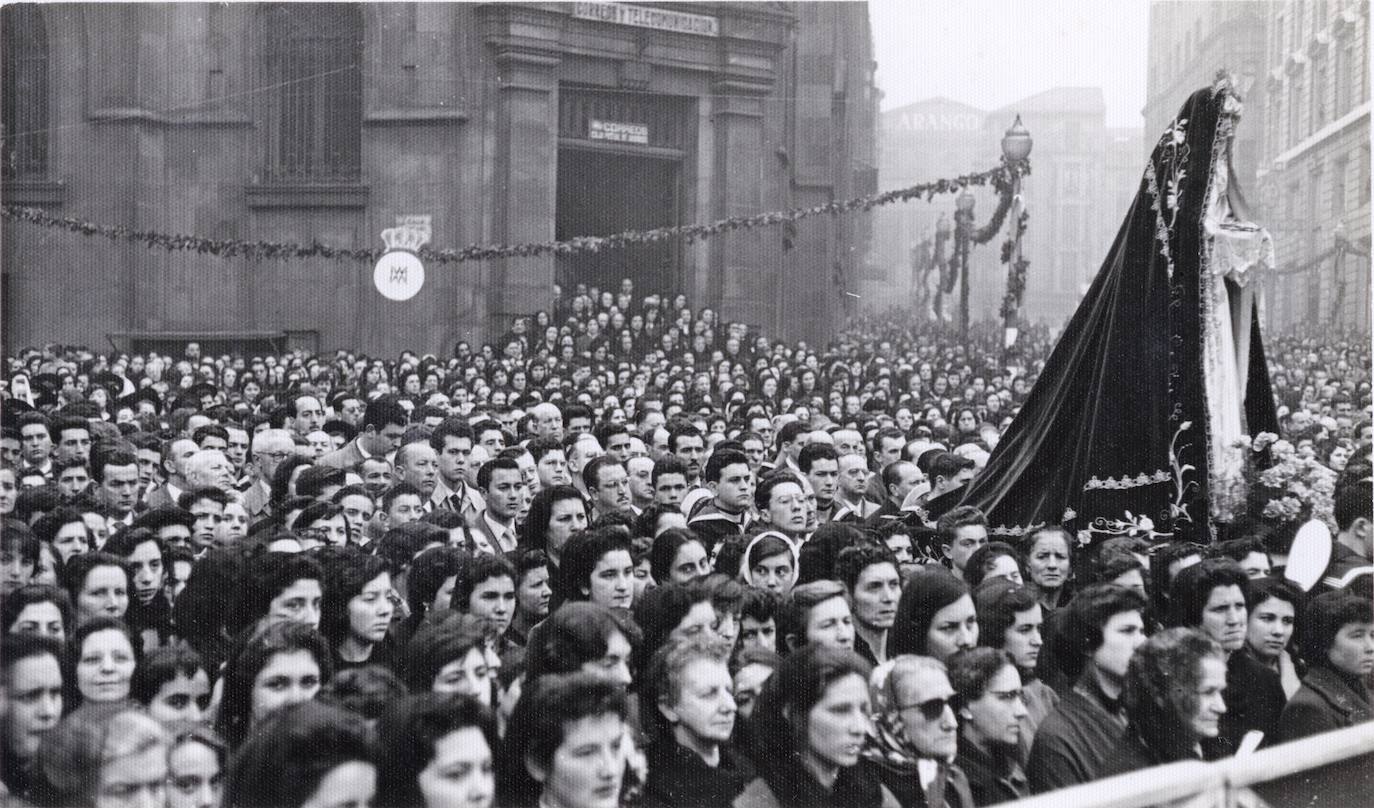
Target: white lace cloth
[{"x": 1237, "y": 254}]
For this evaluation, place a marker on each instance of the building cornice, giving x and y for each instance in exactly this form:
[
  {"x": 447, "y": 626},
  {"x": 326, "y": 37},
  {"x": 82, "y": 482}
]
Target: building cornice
[{"x": 1355, "y": 116}]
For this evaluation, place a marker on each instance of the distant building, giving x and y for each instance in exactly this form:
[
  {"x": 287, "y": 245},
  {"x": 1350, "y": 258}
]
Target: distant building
[
  {"x": 1314, "y": 167},
  {"x": 506, "y": 123},
  {"x": 1189, "y": 43},
  {"x": 921, "y": 142},
  {"x": 1083, "y": 175}
]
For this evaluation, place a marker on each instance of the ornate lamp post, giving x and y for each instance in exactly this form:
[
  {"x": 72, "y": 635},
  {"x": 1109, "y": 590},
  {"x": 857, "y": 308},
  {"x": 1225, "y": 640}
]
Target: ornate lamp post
[{"x": 1016, "y": 148}]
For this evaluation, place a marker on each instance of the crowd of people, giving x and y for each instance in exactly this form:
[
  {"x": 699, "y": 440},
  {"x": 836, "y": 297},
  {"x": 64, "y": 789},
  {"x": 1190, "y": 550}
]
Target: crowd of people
[{"x": 628, "y": 554}]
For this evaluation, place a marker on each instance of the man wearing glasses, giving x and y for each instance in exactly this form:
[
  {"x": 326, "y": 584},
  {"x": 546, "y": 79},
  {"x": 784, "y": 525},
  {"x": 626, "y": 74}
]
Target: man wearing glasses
[{"x": 270, "y": 448}]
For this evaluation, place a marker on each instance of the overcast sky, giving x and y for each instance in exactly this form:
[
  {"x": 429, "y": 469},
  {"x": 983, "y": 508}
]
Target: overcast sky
[{"x": 989, "y": 53}]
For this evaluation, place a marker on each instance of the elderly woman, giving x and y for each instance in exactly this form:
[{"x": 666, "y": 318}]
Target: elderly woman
[
  {"x": 1211, "y": 596},
  {"x": 1173, "y": 697}
]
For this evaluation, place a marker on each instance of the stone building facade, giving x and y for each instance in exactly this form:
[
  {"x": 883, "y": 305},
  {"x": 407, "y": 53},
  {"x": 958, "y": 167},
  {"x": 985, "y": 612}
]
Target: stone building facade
[
  {"x": 1314, "y": 169},
  {"x": 504, "y": 123}
]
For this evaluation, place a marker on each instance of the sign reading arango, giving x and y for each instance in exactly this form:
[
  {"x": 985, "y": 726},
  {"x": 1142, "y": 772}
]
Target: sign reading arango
[
  {"x": 617, "y": 132},
  {"x": 641, "y": 17}
]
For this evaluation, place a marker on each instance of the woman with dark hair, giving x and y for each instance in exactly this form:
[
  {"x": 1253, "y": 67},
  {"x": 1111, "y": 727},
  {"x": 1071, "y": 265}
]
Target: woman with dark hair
[
  {"x": 198, "y": 613},
  {"x": 1273, "y": 606},
  {"x": 583, "y": 637},
  {"x": 935, "y": 616},
  {"x": 808, "y": 730},
  {"x": 172, "y": 684},
  {"x": 275, "y": 588},
  {"x": 196, "y": 764},
  {"x": 98, "y": 584},
  {"x": 106, "y": 749},
  {"x": 305, "y": 754},
  {"x": 355, "y": 614},
  {"x": 557, "y": 513},
  {"x": 770, "y": 562},
  {"x": 322, "y": 524},
  {"x": 101, "y": 659},
  {"x": 436, "y": 751},
  {"x": 566, "y": 745},
  {"x": 150, "y": 608},
  {"x": 37, "y": 609},
  {"x": 429, "y": 586},
  {"x": 1174, "y": 705},
  {"x": 597, "y": 566},
  {"x": 989, "y": 702},
  {"x": 677, "y": 556},
  {"x": 1010, "y": 619},
  {"x": 673, "y": 613},
  {"x": 1211, "y": 596},
  {"x": 816, "y": 558},
  {"x": 1048, "y": 563},
  {"x": 996, "y": 559},
  {"x": 1338, "y": 646},
  {"x": 688, "y": 707},
  {"x": 450, "y": 654},
  {"x": 276, "y": 666}
]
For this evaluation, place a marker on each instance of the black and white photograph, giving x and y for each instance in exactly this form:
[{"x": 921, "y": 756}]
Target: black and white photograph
[{"x": 811, "y": 404}]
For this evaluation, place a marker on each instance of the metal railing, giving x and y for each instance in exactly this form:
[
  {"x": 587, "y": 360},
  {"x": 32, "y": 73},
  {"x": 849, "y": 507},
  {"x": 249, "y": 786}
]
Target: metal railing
[{"x": 1331, "y": 769}]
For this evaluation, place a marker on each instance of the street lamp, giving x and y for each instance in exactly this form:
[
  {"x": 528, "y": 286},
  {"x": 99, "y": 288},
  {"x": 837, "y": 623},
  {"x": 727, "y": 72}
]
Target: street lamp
[{"x": 1016, "y": 149}]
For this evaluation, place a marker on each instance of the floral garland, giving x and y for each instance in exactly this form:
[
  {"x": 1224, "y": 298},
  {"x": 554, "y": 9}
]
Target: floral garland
[
  {"x": 1000, "y": 178},
  {"x": 1016, "y": 271}
]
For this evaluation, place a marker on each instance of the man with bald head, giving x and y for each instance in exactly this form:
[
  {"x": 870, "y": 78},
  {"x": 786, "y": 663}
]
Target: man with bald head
[
  {"x": 209, "y": 468},
  {"x": 418, "y": 464},
  {"x": 547, "y": 421}
]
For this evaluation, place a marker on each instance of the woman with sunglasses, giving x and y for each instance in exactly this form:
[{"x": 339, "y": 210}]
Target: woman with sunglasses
[{"x": 915, "y": 734}]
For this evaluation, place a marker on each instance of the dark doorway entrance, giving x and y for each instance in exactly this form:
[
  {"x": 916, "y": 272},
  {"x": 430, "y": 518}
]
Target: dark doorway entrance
[{"x": 600, "y": 193}]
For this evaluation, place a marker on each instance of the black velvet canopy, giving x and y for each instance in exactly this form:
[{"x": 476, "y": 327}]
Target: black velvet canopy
[{"x": 1114, "y": 438}]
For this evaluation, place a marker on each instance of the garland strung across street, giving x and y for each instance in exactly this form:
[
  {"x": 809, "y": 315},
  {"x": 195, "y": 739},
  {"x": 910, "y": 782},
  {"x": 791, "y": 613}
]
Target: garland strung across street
[{"x": 1000, "y": 178}]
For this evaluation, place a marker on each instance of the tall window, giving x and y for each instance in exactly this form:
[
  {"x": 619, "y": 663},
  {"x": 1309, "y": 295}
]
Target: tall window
[
  {"x": 314, "y": 55},
  {"x": 1318, "y": 94},
  {"x": 24, "y": 118}
]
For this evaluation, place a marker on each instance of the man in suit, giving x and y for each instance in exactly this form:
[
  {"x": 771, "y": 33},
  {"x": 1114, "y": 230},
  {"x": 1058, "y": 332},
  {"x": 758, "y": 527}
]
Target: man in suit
[
  {"x": 452, "y": 441},
  {"x": 384, "y": 422},
  {"x": 270, "y": 448},
  {"x": 502, "y": 485},
  {"x": 175, "y": 453}
]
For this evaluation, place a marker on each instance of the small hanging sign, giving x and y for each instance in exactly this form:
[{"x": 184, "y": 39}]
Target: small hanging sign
[{"x": 399, "y": 274}]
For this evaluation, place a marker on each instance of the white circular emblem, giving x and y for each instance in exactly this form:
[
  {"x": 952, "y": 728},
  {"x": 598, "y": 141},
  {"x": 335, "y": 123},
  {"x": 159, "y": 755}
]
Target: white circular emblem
[{"x": 399, "y": 275}]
